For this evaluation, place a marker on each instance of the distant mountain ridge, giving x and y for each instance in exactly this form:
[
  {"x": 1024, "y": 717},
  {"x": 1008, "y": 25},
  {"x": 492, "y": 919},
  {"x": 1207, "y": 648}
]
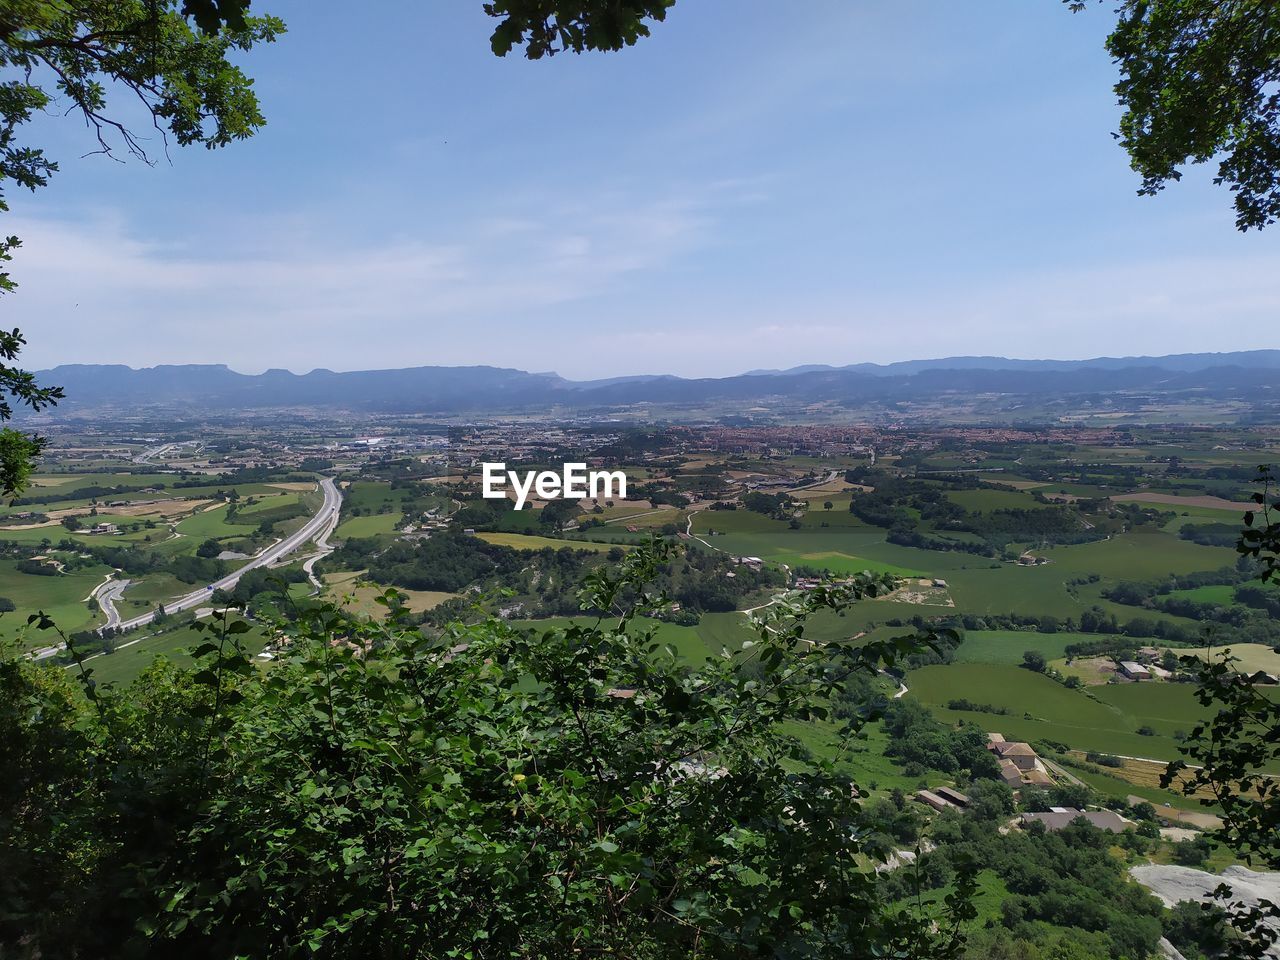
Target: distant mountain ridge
[
  {"x": 1185, "y": 362},
  {"x": 1246, "y": 375}
]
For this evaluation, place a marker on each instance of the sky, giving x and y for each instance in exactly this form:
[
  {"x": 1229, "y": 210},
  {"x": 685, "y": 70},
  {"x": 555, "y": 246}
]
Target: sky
[{"x": 754, "y": 186}]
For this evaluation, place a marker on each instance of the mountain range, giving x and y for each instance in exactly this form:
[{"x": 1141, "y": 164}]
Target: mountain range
[{"x": 1243, "y": 376}]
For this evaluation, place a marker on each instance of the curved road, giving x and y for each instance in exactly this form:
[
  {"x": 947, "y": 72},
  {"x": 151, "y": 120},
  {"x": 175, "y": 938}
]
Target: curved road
[
  {"x": 319, "y": 527},
  {"x": 107, "y": 595}
]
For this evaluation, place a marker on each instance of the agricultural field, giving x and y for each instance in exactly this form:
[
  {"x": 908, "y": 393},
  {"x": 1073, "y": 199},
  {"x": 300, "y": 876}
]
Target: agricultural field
[
  {"x": 1017, "y": 547},
  {"x": 1102, "y": 719}
]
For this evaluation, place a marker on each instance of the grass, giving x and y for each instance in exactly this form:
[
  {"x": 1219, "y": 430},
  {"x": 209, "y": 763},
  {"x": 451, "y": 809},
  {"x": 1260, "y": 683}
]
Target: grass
[
  {"x": 370, "y": 526},
  {"x": 155, "y": 587},
  {"x": 841, "y": 563},
  {"x": 213, "y": 524},
  {"x": 990, "y": 895},
  {"x": 737, "y": 521},
  {"x": 1222, "y": 594},
  {"x": 264, "y": 507},
  {"x": 524, "y": 541},
  {"x": 125, "y": 665},
  {"x": 1042, "y": 709},
  {"x": 861, "y": 757},
  {"x": 62, "y": 597},
  {"x": 1252, "y": 656},
  {"x": 1140, "y": 555},
  {"x": 987, "y": 499},
  {"x": 1007, "y": 646}
]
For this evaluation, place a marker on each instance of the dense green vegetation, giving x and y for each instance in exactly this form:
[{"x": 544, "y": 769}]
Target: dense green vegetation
[
  {"x": 521, "y": 809},
  {"x": 1044, "y": 620}
]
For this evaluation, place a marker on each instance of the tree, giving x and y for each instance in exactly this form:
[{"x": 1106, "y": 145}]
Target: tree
[
  {"x": 171, "y": 55},
  {"x": 1199, "y": 929},
  {"x": 209, "y": 549},
  {"x": 547, "y": 27},
  {"x": 71, "y": 523},
  {"x": 991, "y": 800},
  {"x": 1198, "y": 82},
  {"x": 827, "y": 505},
  {"x": 488, "y": 791},
  {"x": 1034, "y": 660}
]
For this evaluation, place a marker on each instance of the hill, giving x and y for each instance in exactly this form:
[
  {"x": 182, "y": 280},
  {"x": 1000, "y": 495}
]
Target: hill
[{"x": 988, "y": 386}]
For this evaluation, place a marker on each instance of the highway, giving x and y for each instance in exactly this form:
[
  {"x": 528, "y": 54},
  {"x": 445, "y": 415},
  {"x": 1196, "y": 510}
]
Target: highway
[
  {"x": 320, "y": 526},
  {"x": 159, "y": 453}
]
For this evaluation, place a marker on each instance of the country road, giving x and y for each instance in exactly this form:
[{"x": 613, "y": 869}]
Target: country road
[
  {"x": 110, "y": 592},
  {"x": 319, "y": 527}
]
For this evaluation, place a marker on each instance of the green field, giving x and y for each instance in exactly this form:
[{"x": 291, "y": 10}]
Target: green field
[
  {"x": 370, "y": 526},
  {"x": 213, "y": 523},
  {"x": 1007, "y": 646},
  {"x": 841, "y": 563},
  {"x": 523, "y": 541},
  {"x": 987, "y": 499},
  {"x": 127, "y": 663},
  {"x": 62, "y": 597},
  {"x": 1222, "y": 594},
  {"x": 1101, "y": 719}
]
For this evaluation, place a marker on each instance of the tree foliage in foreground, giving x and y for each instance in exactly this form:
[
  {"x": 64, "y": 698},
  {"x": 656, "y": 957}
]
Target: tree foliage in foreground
[
  {"x": 546, "y": 27},
  {"x": 486, "y": 793},
  {"x": 1235, "y": 754},
  {"x": 1199, "y": 82}
]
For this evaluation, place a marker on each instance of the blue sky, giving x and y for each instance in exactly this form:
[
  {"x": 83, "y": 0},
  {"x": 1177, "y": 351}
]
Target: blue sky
[{"x": 879, "y": 180}]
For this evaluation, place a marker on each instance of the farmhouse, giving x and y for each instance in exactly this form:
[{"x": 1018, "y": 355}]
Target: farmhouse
[
  {"x": 1019, "y": 763},
  {"x": 107, "y": 528},
  {"x": 952, "y": 796},
  {"x": 931, "y": 799},
  {"x": 1134, "y": 670},
  {"x": 1021, "y": 755}
]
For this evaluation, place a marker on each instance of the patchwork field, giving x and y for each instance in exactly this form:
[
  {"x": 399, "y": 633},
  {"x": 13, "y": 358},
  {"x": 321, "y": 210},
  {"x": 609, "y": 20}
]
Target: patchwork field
[{"x": 1102, "y": 719}]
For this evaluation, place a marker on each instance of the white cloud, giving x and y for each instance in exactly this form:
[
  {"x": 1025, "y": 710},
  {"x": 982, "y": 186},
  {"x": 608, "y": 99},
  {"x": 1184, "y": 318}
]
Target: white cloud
[
  {"x": 91, "y": 291},
  {"x": 589, "y": 288}
]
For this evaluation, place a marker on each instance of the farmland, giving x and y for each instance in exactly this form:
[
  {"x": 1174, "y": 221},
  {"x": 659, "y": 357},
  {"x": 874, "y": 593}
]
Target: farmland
[{"x": 1021, "y": 550}]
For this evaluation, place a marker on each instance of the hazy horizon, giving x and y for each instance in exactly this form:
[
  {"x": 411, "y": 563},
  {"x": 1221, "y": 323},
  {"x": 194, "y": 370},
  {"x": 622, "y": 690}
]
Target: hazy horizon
[{"x": 834, "y": 365}]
